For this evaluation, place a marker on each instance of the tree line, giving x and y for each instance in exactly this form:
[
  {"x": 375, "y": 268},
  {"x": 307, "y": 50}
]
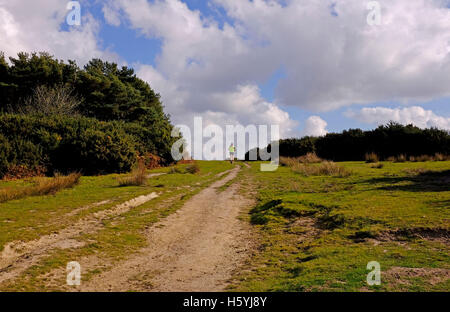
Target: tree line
[
  {"x": 385, "y": 141},
  {"x": 96, "y": 119}
]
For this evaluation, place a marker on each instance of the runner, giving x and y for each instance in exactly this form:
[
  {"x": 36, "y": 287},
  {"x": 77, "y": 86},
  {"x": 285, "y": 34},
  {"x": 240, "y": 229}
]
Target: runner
[{"x": 232, "y": 150}]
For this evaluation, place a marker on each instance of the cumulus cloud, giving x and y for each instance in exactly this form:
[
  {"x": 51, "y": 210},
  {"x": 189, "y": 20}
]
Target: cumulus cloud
[
  {"x": 331, "y": 56},
  {"x": 240, "y": 106},
  {"x": 315, "y": 126},
  {"x": 203, "y": 69},
  {"x": 409, "y": 115},
  {"x": 35, "y": 26}
]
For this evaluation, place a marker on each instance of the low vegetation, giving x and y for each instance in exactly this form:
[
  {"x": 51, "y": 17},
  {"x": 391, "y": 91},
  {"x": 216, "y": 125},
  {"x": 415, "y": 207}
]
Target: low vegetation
[
  {"x": 42, "y": 186},
  {"x": 372, "y": 158},
  {"x": 326, "y": 168},
  {"x": 193, "y": 168},
  {"x": 318, "y": 233},
  {"x": 138, "y": 176},
  {"x": 311, "y": 165}
]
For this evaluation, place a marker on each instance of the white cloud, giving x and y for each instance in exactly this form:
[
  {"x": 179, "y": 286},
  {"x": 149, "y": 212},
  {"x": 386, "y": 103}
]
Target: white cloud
[
  {"x": 204, "y": 70},
  {"x": 409, "y": 115},
  {"x": 315, "y": 126},
  {"x": 241, "y": 106},
  {"x": 35, "y": 26},
  {"x": 338, "y": 61},
  {"x": 111, "y": 14},
  {"x": 329, "y": 61}
]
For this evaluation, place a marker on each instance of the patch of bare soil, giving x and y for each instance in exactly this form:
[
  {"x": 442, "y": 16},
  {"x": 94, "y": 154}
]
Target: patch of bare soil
[
  {"x": 402, "y": 276},
  {"x": 152, "y": 175},
  {"x": 430, "y": 234},
  {"x": 306, "y": 228},
  {"x": 18, "y": 256},
  {"x": 195, "y": 249}
]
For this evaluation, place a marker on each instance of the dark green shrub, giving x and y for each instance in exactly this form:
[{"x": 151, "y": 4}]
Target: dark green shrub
[{"x": 65, "y": 144}]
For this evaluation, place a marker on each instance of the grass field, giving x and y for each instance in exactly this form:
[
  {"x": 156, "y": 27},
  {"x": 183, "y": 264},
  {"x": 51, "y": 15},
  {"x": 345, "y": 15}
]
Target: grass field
[
  {"x": 311, "y": 232},
  {"x": 318, "y": 233}
]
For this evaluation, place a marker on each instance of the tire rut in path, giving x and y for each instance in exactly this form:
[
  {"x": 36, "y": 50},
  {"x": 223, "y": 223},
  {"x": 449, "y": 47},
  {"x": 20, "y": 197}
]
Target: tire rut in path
[
  {"x": 19, "y": 256},
  {"x": 195, "y": 249}
]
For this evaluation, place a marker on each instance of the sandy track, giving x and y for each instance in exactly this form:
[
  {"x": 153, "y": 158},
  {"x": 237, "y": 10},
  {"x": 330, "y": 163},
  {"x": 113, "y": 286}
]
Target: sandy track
[
  {"x": 16, "y": 257},
  {"x": 195, "y": 249}
]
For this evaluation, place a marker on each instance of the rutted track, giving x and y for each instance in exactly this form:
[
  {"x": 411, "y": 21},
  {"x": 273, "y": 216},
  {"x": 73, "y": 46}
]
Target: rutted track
[
  {"x": 16, "y": 257},
  {"x": 195, "y": 249}
]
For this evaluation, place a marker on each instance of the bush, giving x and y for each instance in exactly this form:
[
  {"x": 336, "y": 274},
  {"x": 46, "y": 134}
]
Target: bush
[
  {"x": 42, "y": 84},
  {"x": 193, "y": 168},
  {"x": 138, "y": 176},
  {"x": 65, "y": 144}
]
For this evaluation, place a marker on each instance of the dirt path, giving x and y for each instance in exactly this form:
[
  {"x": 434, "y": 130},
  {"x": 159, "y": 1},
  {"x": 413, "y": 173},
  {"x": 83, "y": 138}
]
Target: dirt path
[
  {"x": 195, "y": 249},
  {"x": 16, "y": 257}
]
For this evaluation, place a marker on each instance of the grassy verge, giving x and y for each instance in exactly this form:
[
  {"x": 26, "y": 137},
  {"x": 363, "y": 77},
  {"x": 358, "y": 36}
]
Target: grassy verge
[{"x": 318, "y": 233}]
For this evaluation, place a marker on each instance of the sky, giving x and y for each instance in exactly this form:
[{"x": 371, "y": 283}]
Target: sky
[{"x": 310, "y": 66}]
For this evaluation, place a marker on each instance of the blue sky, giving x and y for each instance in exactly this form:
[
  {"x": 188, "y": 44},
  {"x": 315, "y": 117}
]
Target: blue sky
[{"x": 260, "y": 62}]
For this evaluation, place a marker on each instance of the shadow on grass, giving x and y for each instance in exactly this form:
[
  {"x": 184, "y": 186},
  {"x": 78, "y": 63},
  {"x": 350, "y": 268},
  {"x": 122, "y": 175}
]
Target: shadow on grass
[{"x": 427, "y": 181}]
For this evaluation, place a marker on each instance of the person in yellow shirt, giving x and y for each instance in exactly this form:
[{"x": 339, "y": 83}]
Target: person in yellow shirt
[{"x": 232, "y": 151}]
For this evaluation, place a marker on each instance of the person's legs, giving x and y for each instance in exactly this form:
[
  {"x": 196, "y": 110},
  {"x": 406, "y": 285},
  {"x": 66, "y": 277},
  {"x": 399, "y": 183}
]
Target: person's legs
[{"x": 231, "y": 157}]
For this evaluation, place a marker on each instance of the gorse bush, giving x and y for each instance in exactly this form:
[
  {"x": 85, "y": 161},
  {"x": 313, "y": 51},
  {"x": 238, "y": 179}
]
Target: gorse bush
[
  {"x": 131, "y": 114},
  {"x": 65, "y": 144}
]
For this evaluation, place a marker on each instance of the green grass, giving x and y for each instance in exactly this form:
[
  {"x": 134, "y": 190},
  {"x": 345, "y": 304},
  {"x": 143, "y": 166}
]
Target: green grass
[
  {"x": 30, "y": 218},
  {"x": 314, "y": 233},
  {"x": 318, "y": 233}
]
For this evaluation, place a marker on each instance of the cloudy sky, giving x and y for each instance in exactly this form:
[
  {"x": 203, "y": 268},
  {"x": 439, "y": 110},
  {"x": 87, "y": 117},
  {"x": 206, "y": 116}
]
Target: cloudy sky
[{"x": 310, "y": 66}]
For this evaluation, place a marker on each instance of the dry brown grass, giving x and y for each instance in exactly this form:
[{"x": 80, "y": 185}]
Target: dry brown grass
[
  {"x": 372, "y": 158},
  {"x": 43, "y": 186},
  {"x": 193, "y": 168},
  {"x": 441, "y": 157},
  {"x": 326, "y": 168},
  {"x": 378, "y": 166},
  {"x": 138, "y": 176},
  {"x": 401, "y": 158},
  {"x": 310, "y": 158},
  {"x": 421, "y": 158}
]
